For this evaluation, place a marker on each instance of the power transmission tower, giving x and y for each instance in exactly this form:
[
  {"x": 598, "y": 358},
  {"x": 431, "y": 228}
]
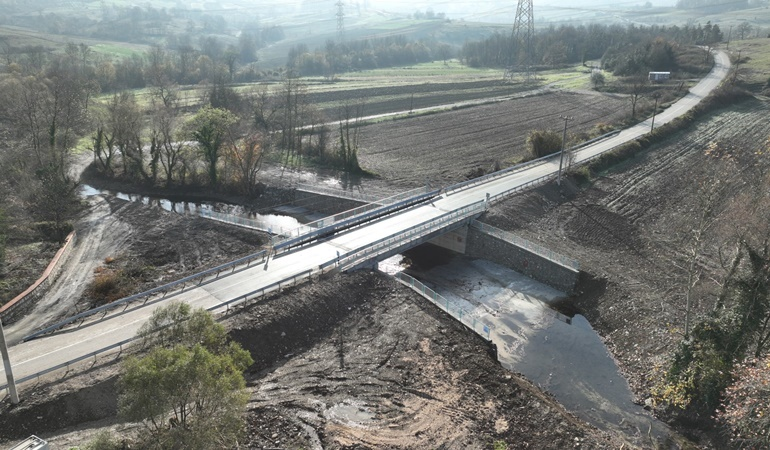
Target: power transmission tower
[
  {"x": 522, "y": 37},
  {"x": 340, "y": 21}
]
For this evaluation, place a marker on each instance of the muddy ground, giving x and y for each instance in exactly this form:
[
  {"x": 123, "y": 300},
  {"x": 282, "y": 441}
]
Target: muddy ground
[
  {"x": 631, "y": 229},
  {"x": 379, "y": 367}
]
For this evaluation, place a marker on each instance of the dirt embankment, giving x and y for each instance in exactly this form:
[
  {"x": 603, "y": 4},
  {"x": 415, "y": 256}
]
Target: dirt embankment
[
  {"x": 352, "y": 361},
  {"x": 632, "y": 230}
]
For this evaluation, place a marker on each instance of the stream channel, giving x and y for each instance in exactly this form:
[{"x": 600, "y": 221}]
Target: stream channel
[
  {"x": 285, "y": 217},
  {"x": 562, "y": 355}
]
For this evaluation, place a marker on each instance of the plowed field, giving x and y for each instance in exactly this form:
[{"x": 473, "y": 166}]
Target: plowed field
[{"x": 444, "y": 148}]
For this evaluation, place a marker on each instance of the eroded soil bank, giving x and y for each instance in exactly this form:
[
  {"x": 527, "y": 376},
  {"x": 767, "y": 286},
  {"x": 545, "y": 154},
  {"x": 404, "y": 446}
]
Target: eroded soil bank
[{"x": 352, "y": 361}]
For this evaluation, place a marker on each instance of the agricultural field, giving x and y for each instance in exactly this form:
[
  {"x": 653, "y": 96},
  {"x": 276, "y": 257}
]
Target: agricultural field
[
  {"x": 449, "y": 147},
  {"x": 754, "y": 73}
]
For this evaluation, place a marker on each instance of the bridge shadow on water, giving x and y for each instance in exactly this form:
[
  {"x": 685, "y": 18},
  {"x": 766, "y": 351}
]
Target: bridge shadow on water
[{"x": 561, "y": 354}]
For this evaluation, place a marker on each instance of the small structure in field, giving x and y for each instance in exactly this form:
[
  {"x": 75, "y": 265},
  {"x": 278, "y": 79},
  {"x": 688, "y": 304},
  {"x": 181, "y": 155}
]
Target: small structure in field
[{"x": 657, "y": 77}]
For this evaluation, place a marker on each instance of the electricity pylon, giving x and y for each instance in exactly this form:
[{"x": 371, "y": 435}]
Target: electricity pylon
[
  {"x": 340, "y": 21},
  {"x": 522, "y": 37}
]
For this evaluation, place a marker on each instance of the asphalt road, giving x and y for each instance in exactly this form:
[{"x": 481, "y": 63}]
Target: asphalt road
[{"x": 40, "y": 354}]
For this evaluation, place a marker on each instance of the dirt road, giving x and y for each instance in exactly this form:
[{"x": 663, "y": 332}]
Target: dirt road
[{"x": 99, "y": 235}]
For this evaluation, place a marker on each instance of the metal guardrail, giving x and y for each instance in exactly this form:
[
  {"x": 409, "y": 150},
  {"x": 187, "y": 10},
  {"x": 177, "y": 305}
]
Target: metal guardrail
[
  {"x": 519, "y": 167},
  {"x": 380, "y": 246},
  {"x": 258, "y": 293},
  {"x": 339, "y": 193},
  {"x": 69, "y": 363},
  {"x": 146, "y": 295},
  {"x": 379, "y": 203},
  {"x": 305, "y": 236},
  {"x": 465, "y": 316},
  {"x": 528, "y": 245}
]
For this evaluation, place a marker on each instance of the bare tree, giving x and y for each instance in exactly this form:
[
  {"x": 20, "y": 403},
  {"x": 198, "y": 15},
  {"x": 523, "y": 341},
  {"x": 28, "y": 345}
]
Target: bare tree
[
  {"x": 637, "y": 86},
  {"x": 246, "y": 155},
  {"x": 349, "y": 118}
]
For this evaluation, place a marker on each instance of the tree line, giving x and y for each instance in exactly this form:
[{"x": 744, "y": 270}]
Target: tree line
[
  {"x": 626, "y": 49},
  {"x": 365, "y": 54},
  {"x": 152, "y": 140}
]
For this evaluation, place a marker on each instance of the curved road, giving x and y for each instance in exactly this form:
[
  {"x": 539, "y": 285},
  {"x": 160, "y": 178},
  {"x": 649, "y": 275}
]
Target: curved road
[{"x": 38, "y": 355}]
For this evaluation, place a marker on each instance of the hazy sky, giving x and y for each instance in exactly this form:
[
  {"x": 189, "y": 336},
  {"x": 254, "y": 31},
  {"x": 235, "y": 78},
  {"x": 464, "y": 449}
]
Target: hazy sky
[{"x": 502, "y": 10}]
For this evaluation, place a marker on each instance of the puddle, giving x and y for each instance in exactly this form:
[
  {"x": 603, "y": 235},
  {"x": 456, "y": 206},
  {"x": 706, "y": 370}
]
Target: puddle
[
  {"x": 293, "y": 219},
  {"x": 563, "y": 355},
  {"x": 351, "y": 413}
]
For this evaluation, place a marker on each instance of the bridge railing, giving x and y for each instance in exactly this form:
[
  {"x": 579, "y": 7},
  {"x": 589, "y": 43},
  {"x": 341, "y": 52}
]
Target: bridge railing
[
  {"x": 466, "y": 316},
  {"x": 177, "y": 287},
  {"x": 380, "y": 246},
  {"x": 258, "y": 293},
  {"x": 352, "y": 218},
  {"x": 350, "y": 195},
  {"x": 374, "y": 205},
  {"x": 241, "y": 221}
]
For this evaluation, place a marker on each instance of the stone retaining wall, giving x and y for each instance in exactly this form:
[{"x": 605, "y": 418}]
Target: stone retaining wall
[{"x": 496, "y": 248}]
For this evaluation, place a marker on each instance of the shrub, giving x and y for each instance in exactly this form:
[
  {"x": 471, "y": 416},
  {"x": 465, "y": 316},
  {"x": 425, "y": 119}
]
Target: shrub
[
  {"x": 543, "y": 142},
  {"x": 746, "y": 405}
]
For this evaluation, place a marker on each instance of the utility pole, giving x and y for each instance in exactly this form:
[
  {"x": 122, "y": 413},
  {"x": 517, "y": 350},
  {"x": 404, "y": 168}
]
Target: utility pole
[
  {"x": 729, "y": 33},
  {"x": 737, "y": 66},
  {"x": 8, "y": 369},
  {"x": 563, "y": 144},
  {"x": 340, "y": 21},
  {"x": 656, "y": 96},
  {"x": 522, "y": 35}
]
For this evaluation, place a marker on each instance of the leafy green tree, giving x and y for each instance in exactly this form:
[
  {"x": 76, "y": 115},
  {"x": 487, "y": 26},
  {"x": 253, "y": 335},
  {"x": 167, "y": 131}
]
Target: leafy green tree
[
  {"x": 209, "y": 128},
  {"x": 597, "y": 78},
  {"x": 188, "y": 390},
  {"x": 179, "y": 324}
]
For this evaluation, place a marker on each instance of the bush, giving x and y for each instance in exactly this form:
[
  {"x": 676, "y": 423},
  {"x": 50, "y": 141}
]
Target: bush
[
  {"x": 51, "y": 231},
  {"x": 543, "y": 142},
  {"x": 746, "y": 405}
]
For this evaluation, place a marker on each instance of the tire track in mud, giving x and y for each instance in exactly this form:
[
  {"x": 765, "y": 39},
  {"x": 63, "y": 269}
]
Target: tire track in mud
[{"x": 681, "y": 158}]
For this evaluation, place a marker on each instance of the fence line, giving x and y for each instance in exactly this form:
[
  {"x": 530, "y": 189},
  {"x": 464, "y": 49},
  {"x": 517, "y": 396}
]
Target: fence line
[
  {"x": 528, "y": 245},
  {"x": 465, "y": 316}
]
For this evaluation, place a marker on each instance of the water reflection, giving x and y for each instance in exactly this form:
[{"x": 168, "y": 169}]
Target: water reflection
[
  {"x": 564, "y": 356},
  {"x": 275, "y": 223}
]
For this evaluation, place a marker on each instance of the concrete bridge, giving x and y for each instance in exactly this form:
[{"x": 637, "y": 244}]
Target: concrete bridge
[{"x": 357, "y": 239}]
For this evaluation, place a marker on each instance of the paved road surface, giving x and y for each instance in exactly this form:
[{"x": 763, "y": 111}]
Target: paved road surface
[{"x": 37, "y": 355}]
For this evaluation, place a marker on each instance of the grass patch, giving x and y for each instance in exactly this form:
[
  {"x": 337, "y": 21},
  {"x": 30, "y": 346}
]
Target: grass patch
[{"x": 452, "y": 68}]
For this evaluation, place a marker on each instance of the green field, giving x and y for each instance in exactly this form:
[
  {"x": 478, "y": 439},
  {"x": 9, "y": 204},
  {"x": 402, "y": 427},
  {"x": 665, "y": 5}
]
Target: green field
[{"x": 755, "y": 60}]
